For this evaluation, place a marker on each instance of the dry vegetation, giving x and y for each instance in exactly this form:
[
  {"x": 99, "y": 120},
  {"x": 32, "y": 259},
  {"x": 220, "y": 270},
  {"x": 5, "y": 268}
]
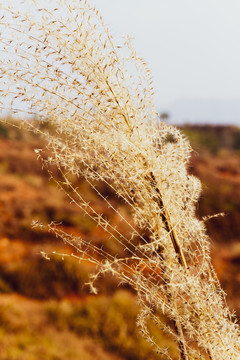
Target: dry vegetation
[
  {"x": 51, "y": 292},
  {"x": 95, "y": 109},
  {"x": 40, "y": 296},
  {"x": 25, "y": 272}
]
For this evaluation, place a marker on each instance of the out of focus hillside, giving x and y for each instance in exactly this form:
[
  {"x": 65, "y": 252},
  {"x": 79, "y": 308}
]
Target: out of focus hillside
[
  {"x": 46, "y": 311},
  {"x": 216, "y": 161}
]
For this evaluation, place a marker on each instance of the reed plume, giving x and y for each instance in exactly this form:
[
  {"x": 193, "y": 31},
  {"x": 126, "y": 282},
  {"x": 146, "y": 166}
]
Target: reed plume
[{"x": 59, "y": 64}]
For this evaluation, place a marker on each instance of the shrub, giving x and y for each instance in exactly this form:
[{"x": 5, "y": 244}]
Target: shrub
[
  {"x": 38, "y": 278},
  {"x": 110, "y": 321}
]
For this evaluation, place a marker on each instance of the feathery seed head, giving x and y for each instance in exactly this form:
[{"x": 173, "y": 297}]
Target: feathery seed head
[{"x": 58, "y": 60}]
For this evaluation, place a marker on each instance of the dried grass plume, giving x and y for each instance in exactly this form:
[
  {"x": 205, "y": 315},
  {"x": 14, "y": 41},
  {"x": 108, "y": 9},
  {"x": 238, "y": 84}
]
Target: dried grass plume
[{"x": 59, "y": 63}]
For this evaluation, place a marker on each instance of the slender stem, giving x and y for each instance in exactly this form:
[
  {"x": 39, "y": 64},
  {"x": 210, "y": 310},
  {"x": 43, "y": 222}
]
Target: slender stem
[
  {"x": 166, "y": 221},
  {"x": 181, "y": 259}
]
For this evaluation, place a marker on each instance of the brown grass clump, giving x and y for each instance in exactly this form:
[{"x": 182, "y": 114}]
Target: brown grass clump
[
  {"x": 28, "y": 333},
  {"x": 95, "y": 103}
]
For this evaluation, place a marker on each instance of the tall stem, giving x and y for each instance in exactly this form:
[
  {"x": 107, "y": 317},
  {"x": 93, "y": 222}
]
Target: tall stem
[
  {"x": 181, "y": 259},
  {"x": 166, "y": 221}
]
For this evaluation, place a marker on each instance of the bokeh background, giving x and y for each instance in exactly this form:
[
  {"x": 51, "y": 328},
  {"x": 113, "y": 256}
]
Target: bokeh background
[
  {"x": 46, "y": 310},
  {"x": 192, "y": 49}
]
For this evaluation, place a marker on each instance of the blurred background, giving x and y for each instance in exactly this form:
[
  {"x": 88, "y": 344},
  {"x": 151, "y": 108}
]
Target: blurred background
[
  {"x": 46, "y": 311},
  {"x": 193, "y": 51}
]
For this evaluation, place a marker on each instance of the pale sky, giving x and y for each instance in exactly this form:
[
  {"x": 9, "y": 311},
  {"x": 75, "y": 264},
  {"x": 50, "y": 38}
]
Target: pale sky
[{"x": 192, "y": 48}]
